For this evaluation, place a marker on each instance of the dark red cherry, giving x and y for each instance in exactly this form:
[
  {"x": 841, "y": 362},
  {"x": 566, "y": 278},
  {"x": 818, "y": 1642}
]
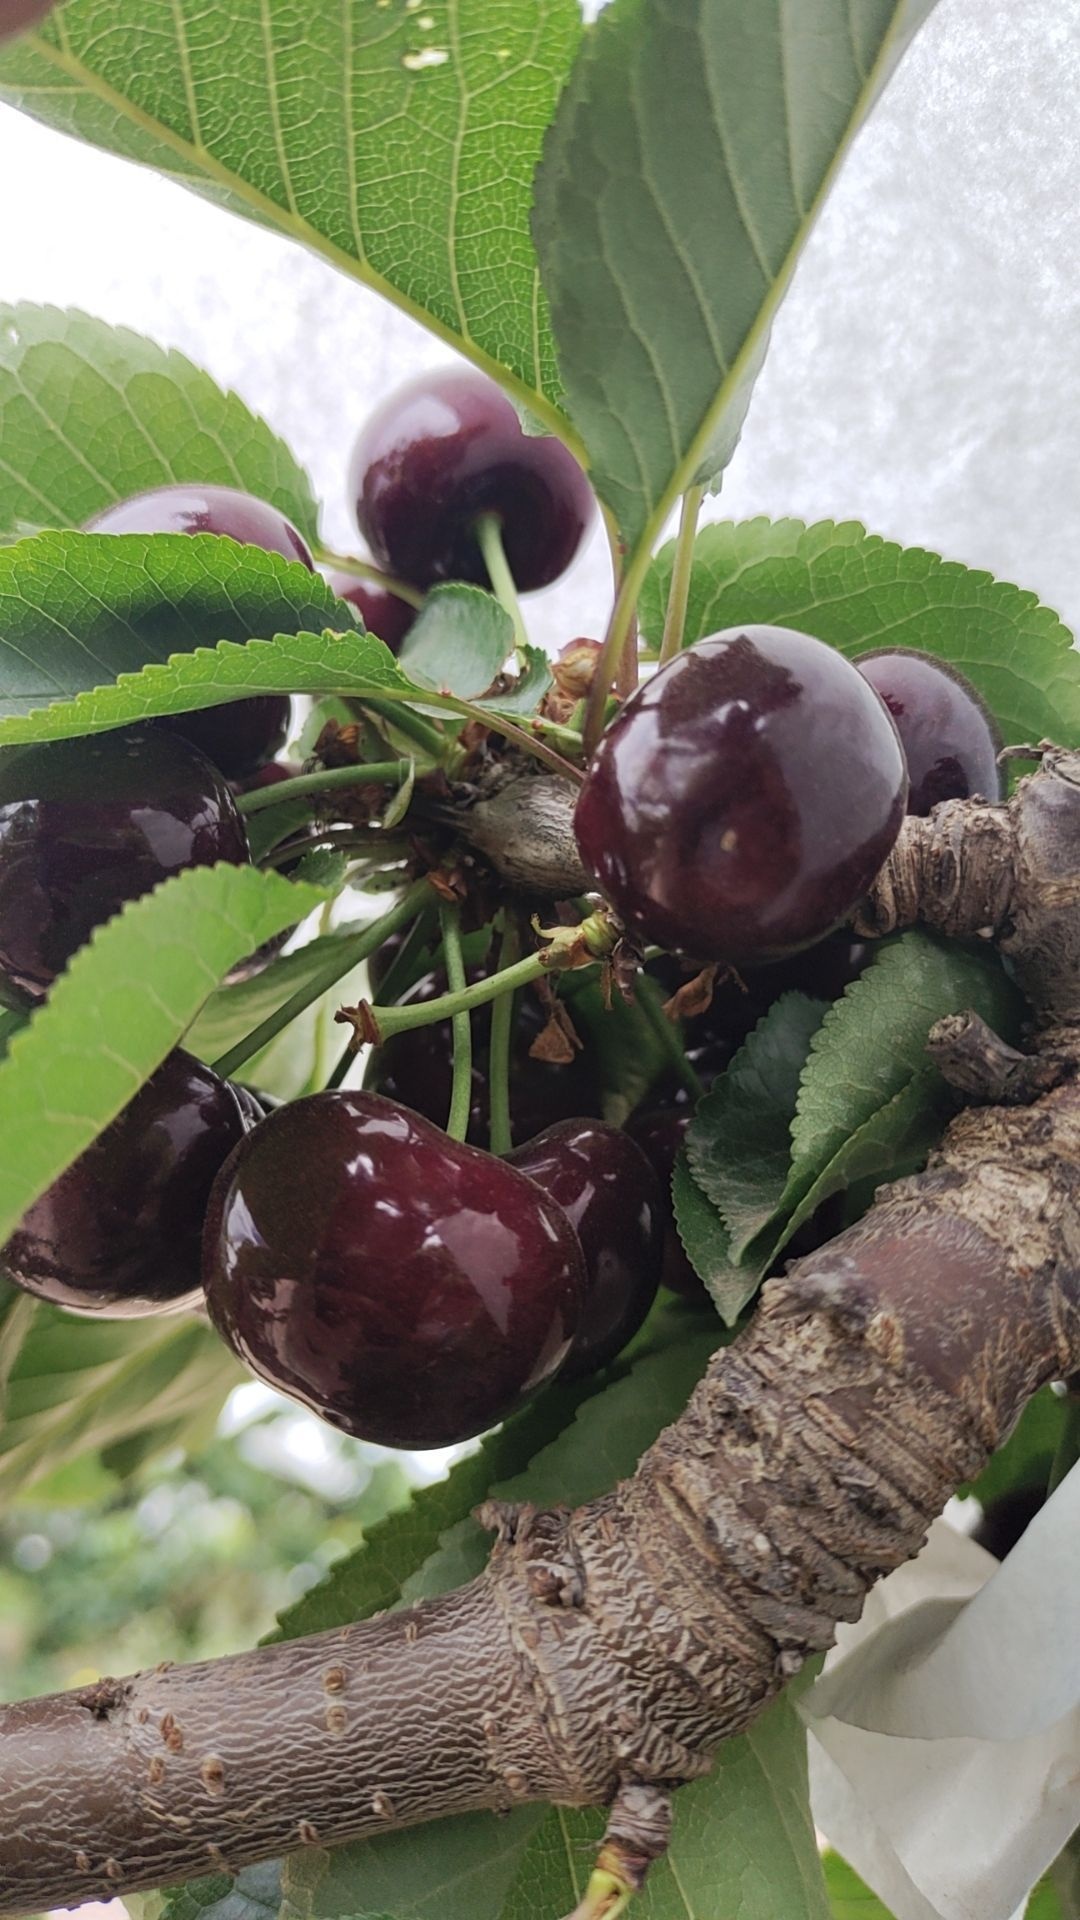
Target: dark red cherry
[
  {"x": 17, "y": 15},
  {"x": 410, "y": 1290},
  {"x": 240, "y": 736},
  {"x": 743, "y": 799},
  {"x": 382, "y": 612},
  {"x": 950, "y": 740},
  {"x": 660, "y": 1133},
  {"x": 119, "y": 1233},
  {"x": 443, "y": 450},
  {"x": 610, "y": 1195},
  {"x": 86, "y": 825}
]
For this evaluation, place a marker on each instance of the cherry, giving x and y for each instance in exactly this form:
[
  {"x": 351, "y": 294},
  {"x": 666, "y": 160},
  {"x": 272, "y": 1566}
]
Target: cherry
[
  {"x": 411, "y": 1290},
  {"x": 86, "y": 825},
  {"x": 119, "y": 1233},
  {"x": 381, "y": 611},
  {"x": 446, "y": 448},
  {"x": 611, "y": 1197},
  {"x": 660, "y": 1134},
  {"x": 240, "y": 736},
  {"x": 743, "y": 799},
  {"x": 948, "y": 736},
  {"x": 17, "y": 15}
]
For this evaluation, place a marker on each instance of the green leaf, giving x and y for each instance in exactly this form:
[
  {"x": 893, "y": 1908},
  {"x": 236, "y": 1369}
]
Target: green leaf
[
  {"x": 70, "y": 1387},
  {"x": 255, "y": 1894},
  {"x": 1028, "y": 1454},
  {"x": 236, "y": 1010},
  {"x": 739, "y": 1142},
  {"x": 91, "y": 413},
  {"x": 458, "y": 641},
  {"x": 398, "y": 142},
  {"x": 79, "y": 610},
  {"x": 857, "y": 592},
  {"x": 707, "y": 1242},
  {"x": 533, "y": 680},
  {"x": 691, "y": 152},
  {"x": 743, "y": 1845},
  {"x": 850, "y": 1899},
  {"x": 125, "y": 1001}
]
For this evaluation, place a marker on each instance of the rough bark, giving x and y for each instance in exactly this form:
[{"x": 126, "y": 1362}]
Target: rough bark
[{"x": 605, "y": 1652}]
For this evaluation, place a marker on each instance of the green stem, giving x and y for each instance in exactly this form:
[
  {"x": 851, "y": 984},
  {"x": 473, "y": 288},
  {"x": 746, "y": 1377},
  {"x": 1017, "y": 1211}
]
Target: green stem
[
  {"x": 621, "y": 633},
  {"x": 349, "y": 563},
  {"x": 411, "y": 724},
  {"x": 502, "y": 1030},
  {"x": 341, "y": 840},
  {"x": 402, "y": 970},
  {"x": 488, "y": 530},
  {"x": 457, "y": 1125},
  {"x": 429, "y": 1012},
  {"x": 682, "y": 569},
  {"x": 355, "y": 950},
  {"x": 371, "y": 774},
  {"x": 647, "y": 996},
  {"x": 626, "y": 677}
]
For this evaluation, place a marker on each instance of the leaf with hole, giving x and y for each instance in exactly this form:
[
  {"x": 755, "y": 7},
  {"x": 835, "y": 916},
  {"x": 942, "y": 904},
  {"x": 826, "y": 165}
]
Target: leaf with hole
[
  {"x": 458, "y": 641},
  {"x": 858, "y": 592},
  {"x": 90, "y": 414}
]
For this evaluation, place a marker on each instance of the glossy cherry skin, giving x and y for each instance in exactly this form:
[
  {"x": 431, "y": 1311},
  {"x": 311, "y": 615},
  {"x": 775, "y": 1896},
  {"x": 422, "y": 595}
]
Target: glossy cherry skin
[
  {"x": 743, "y": 799},
  {"x": 410, "y": 1290},
  {"x": 86, "y": 825},
  {"x": 17, "y": 15},
  {"x": 660, "y": 1133},
  {"x": 382, "y": 612},
  {"x": 446, "y": 448},
  {"x": 119, "y": 1233},
  {"x": 948, "y": 737},
  {"x": 240, "y": 736},
  {"x": 610, "y": 1195}
]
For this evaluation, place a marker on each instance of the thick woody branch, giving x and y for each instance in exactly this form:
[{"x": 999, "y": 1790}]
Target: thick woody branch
[{"x": 606, "y": 1652}]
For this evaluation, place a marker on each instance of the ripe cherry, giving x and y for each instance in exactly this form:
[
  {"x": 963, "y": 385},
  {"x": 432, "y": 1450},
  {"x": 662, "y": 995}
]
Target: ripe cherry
[
  {"x": 660, "y": 1133},
  {"x": 86, "y": 825},
  {"x": 610, "y": 1195},
  {"x": 949, "y": 738},
  {"x": 382, "y": 612},
  {"x": 744, "y": 798},
  {"x": 17, "y": 15},
  {"x": 443, "y": 450},
  {"x": 410, "y": 1290},
  {"x": 119, "y": 1233},
  {"x": 240, "y": 736}
]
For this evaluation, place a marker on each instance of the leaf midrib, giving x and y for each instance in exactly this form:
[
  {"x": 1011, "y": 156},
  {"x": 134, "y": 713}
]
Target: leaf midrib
[{"x": 296, "y": 227}]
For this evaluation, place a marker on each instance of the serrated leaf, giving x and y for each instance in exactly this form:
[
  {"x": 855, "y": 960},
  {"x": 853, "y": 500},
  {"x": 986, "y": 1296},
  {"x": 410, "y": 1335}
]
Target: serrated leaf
[
  {"x": 894, "y": 1141},
  {"x": 742, "y": 1847},
  {"x": 124, "y": 1002},
  {"x": 533, "y": 681},
  {"x": 466, "y": 1866},
  {"x": 849, "y": 1897},
  {"x": 90, "y": 414},
  {"x": 707, "y": 1244},
  {"x": 458, "y": 641},
  {"x": 857, "y": 592},
  {"x": 79, "y": 610},
  {"x": 70, "y": 1388},
  {"x": 667, "y": 238},
  {"x": 739, "y": 1141},
  {"x": 382, "y": 138}
]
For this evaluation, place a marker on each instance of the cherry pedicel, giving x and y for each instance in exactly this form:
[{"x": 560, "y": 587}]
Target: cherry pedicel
[
  {"x": 382, "y": 611},
  {"x": 237, "y": 737},
  {"x": 950, "y": 740},
  {"x": 119, "y": 1233},
  {"x": 609, "y": 1193},
  {"x": 87, "y": 825},
  {"x": 743, "y": 799},
  {"x": 411, "y": 1290},
  {"x": 444, "y": 450}
]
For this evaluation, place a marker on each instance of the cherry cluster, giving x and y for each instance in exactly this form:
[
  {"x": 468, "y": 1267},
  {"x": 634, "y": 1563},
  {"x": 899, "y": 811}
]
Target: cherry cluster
[{"x": 411, "y": 1287}]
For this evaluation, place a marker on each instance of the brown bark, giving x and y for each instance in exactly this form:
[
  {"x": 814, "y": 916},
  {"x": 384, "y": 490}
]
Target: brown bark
[{"x": 604, "y": 1653}]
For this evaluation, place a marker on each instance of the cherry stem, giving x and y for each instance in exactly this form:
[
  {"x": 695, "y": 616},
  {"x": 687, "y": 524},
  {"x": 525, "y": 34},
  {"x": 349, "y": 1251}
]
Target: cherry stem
[
  {"x": 605, "y": 1898},
  {"x": 681, "y": 572},
  {"x": 348, "y": 563},
  {"x": 621, "y": 636},
  {"x": 457, "y": 1125},
  {"x": 376, "y": 772},
  {"x": 430, "y": 1012},
  {"x": 488, "y": 531},
  {"x": 502, "y": 1029},
  {"x": 647, "y": 998},
  {"x": 626, "y": 676},
  {"x": 412, "y": 725},
  {"x": 347, "y": 957}
]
